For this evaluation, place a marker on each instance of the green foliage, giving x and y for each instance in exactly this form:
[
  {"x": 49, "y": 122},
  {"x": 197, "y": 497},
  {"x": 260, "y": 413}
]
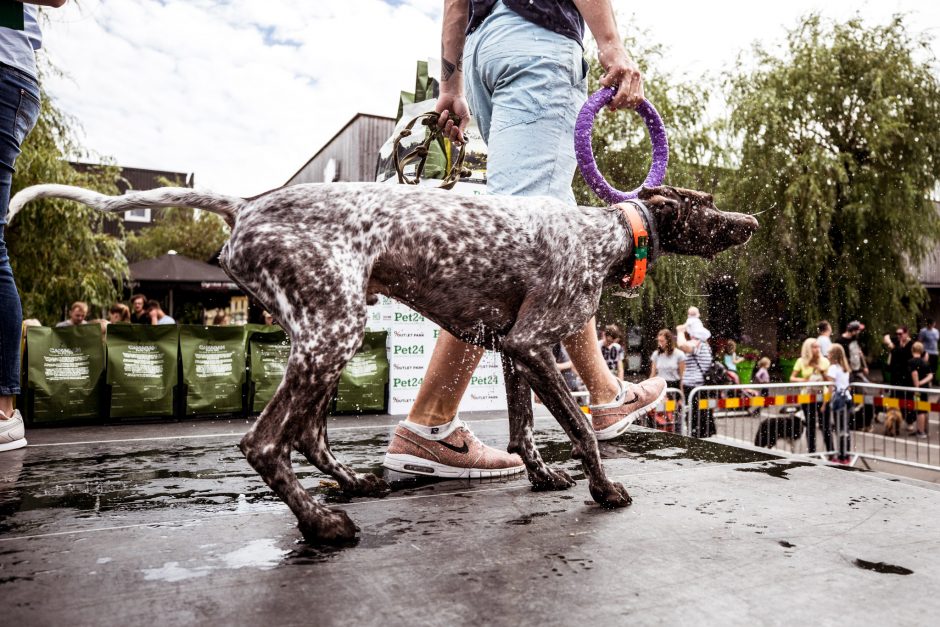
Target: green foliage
[
  {"x": 58, "y": 252},
  {"x": 622, "y": 152},
  {"x": 180, "y": 230},
  {"x": 840, "y": 148}
]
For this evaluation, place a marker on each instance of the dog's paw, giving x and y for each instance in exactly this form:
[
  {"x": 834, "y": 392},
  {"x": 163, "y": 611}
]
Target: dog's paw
[
  {"x": 546, "y": 479},
  {"x": 332, "y": 527},
  {"x": 610, "y": 495},
  {"x": 369, "y": 485}
]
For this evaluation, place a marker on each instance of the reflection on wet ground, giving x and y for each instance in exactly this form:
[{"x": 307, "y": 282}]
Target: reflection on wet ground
[
  {"x": 180, "y": 523},
  {"x": 88, "y": 482}
]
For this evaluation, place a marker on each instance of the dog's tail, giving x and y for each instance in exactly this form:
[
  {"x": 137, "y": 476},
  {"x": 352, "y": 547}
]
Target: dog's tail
[{"x": 225, "y": 206}]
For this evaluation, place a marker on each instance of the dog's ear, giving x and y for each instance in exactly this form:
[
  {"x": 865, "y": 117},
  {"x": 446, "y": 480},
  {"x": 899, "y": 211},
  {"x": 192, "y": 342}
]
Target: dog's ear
[
  {"x": 647, "y": 193},
  {"x": 662, "y": 199},
  {"x": 699, "y": 197}
]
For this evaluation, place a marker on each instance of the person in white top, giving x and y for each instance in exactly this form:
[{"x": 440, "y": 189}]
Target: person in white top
[
  {"x": 841, "y": 400},
  {"x": 667, "y": 361}
]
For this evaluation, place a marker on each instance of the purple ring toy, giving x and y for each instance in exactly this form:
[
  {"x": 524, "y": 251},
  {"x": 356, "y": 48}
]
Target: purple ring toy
[{"x": 584, "y": 151}]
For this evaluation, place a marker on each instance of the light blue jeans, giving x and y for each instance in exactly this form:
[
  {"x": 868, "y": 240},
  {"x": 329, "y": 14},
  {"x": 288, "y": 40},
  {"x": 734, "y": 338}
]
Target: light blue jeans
[
  {"x": 525, "y": 86},
  {"x": 19, "y": 110}
]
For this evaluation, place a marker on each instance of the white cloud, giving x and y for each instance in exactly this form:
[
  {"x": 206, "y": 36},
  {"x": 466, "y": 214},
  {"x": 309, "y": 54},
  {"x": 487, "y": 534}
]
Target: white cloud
[{"x": 243, "y": 92}]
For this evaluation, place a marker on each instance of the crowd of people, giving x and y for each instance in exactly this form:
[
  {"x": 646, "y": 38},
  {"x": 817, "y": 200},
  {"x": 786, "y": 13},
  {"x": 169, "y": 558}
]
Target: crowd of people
[
  {"x": 684, "y": 359},
  {"x": 911, "y": 363},
  {"x": 141, "y": 311}
]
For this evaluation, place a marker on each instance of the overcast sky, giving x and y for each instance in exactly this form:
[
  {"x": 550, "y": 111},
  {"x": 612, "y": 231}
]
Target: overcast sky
[{"x": 244, "y": 92}]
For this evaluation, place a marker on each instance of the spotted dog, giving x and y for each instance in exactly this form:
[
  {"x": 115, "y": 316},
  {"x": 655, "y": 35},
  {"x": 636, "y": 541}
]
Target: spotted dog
[{"x": 515, "y": 275}]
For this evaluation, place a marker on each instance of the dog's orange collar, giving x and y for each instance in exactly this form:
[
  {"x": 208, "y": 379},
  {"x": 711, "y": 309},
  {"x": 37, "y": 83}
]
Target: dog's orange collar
[{"x": 640, "y": 246}]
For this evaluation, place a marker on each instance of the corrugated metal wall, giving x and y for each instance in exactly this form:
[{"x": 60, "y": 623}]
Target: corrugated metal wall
[
  {"x": 929, "y": 271},
  {"x": 353, "y": 150}
]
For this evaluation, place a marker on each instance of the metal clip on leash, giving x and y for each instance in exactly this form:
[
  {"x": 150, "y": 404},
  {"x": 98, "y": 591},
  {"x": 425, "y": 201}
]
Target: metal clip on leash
[{"x": 419, "y": 154}]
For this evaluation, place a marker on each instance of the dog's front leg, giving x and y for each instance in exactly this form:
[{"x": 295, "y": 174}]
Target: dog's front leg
[
  {"x": 537, "y": 365},
  {"x": 521, "y": 438}
]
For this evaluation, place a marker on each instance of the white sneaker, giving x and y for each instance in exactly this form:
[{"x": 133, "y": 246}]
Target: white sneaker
[{"x": 12, "y": 432}]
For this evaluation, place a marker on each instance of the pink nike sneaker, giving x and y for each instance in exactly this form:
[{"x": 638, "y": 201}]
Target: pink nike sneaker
[
  {"x": 612, "y": 419},
  {"x": 459, "y": 455}
]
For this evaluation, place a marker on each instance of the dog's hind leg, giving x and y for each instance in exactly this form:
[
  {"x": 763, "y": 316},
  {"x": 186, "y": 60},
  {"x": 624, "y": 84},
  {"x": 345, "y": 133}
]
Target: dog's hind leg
[
  {"x": 323, "y": 352},
  {"x": 314, "y": 444},
  {"x": 320, "y": 301},
  {"x": 528, "y": 345},
  {"x": 521, "y": 439}
]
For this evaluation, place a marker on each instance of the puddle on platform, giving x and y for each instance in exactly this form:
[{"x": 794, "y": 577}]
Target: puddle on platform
[
  {"x": 172, "y": 572},
  {"x": 881, "y": 567},
  {"x": 775, "y": 469},
  {"x": 262, "y": 554},
  {"x": 126, "y": 481},
  {"x": 658, "y": 445},
  {"x": 526, "y": 519}
]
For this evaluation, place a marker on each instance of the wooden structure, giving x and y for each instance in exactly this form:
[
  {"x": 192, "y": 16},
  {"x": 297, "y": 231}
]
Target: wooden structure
[{"x": 350, "y": 155}]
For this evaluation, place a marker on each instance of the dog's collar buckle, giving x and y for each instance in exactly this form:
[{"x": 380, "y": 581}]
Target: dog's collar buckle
[{"x": 641, "y": 241}]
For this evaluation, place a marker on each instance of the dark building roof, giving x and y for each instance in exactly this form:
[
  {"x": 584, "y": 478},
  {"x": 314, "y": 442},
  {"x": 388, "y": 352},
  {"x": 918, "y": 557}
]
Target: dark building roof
[
  {"x": 143, "y": 178},
  {"x": 929, "y": 271},
  {"x": 139, "y": 179},
  {"x": 177, "y": 269}
]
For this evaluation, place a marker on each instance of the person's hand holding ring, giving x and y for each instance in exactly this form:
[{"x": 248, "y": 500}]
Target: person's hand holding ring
[{"x": 622, "y": 71}]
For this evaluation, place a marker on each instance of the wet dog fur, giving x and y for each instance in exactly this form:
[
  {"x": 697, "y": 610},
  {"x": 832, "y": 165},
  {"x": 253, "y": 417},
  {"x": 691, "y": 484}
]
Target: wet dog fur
[
  {"x": 893, "y": 422},
  {"x": 512, "y": 274}
]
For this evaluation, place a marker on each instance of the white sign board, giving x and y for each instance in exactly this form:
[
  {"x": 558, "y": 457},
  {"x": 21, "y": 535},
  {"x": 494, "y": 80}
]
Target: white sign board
[{"x": 411, "y": 339}]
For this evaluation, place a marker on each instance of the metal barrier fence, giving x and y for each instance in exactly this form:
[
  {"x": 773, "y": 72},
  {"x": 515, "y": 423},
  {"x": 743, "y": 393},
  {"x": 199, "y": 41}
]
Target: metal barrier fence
[
  {"x": 793, "y": 416},
  {"x": 667, "y": 415},
  {"x": 883, "y": 413}
]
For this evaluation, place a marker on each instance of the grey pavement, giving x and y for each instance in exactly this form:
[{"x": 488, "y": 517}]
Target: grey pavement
[{"x": 168, "y": 525}]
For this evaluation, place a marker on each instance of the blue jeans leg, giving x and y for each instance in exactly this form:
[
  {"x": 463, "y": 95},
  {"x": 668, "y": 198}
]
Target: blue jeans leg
[
  {"x": 19, "y": 111},
  {"x": 525, "y": 86}
]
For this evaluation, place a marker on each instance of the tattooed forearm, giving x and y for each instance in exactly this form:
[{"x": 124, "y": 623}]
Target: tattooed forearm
[{"x": 449, "y": 67}]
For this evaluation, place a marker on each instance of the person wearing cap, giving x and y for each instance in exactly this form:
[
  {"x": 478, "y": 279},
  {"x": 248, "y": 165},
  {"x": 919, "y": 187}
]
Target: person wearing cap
[
  {"x": 858, "y": 367},
  {"x": 699, "y": 360},
  {"x": 849, "y": 341}
]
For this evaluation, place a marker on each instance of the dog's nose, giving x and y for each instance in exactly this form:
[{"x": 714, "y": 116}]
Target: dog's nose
[{"x": 743, "y": 226}]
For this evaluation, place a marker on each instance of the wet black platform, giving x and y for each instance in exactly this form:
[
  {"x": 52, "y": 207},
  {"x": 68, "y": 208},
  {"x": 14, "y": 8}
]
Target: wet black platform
[{"x": 167, "y": 524}]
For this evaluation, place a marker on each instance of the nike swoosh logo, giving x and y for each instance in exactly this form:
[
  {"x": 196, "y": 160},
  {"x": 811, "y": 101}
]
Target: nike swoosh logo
[
  {"x": 635, "y": 398},
  {"x": 462, "y": 450}
]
